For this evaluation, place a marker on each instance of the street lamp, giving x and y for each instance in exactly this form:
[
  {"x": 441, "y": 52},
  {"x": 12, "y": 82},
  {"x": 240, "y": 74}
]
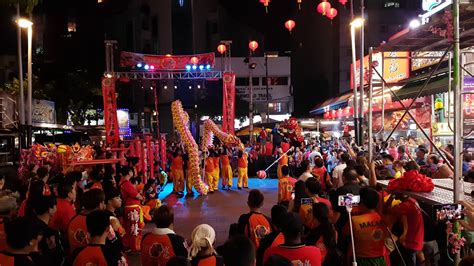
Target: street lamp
[
  {"x": 356, "y": 23},
  {"x": 25, "y": 23},
  {"x": 415, "y": 23}
]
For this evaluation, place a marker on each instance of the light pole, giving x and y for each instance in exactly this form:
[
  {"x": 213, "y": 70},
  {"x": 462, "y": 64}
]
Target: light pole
[
  {"x": 361, "y": 75},
  {"x": 356, "y": 23},
  {"x": 25, "y": 23},
  {"x": 253, "y": 45}
]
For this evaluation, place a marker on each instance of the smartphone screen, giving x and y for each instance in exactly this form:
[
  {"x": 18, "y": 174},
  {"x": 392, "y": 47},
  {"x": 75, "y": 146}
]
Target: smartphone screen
[
  {"x": 306, "y": 201},
  {"x": 449, "y": 212},
  {"x": 348, "y": 200}
]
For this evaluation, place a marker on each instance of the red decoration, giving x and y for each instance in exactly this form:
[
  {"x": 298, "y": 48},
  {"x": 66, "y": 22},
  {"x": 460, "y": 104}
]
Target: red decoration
[
  {"x": 290, "y": 25},
  {"x": 253, "y": 45},
  {"x": 332, "y": 13},
  {"x": 326, "y": 115},
  {"x": 412, "y": 181},
  {"x": 343, "y": 2},
  {"x": 194, "y": 60},
  {"x": 324, "y": 7},
  {"x": 221, "y": 48}
]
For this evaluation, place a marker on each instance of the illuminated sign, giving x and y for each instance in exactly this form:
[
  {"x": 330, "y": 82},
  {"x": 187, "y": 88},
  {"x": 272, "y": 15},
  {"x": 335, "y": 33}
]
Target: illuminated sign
[
  {"x": 432, "y": 7},
  {"x": 422, "y": 59}
]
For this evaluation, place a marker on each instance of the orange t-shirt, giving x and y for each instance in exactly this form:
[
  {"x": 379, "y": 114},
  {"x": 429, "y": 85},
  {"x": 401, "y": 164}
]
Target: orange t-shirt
[
  {"x": 369, "y": 233},
  {"x": 77, "y": 232},
  {"x": 177, "y": 163},
  {"x": 225, "y": 160},
  {"x": 242, "y": 162},
  {"x": 209, "y": 165},
  {"x": 156, "y": 249},
  {"x": 286, "y": 186},
  {"x": 283, "y": 160}
]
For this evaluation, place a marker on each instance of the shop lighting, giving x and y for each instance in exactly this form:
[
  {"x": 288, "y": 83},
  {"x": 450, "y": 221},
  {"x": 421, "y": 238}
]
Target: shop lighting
[
  {"x": 415, "y": 23},
  {"x": 357, "y": 23},
  {"x": 330, "y": 122}
]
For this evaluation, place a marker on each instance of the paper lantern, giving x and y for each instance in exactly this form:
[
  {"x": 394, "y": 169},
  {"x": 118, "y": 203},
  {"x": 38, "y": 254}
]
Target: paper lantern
[
  {"x": 339, "y": 113},
  {"x": 253, "y": 45},
  {"x": 265, "y": 4},
  {"x": 324, "y": 7},
  {"x": 343, "y": 2},
  {"x": 194, "y": 60},
  {"x": 332, "y": 13},
  {"x": 221, "y": 48},
  {"x": 299, "y": 3},
  {"x": 333, "y": 114},
  {"x": 290, "y": 25}
]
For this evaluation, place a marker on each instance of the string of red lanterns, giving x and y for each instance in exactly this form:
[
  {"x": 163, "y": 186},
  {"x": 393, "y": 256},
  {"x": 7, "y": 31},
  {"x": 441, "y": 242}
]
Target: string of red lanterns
[
  {"x": 290, "y": 25},
  {"x": 253, "y": 45}
]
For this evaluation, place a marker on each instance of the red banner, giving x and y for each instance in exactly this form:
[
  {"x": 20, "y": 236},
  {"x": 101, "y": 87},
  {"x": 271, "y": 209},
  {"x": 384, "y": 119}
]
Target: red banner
[
  {"x": 228, "y": 103},
  {"x": 166, "y": 62},
  {"x": 110, "y": 112},
  {"x": 163, "y": 151}
]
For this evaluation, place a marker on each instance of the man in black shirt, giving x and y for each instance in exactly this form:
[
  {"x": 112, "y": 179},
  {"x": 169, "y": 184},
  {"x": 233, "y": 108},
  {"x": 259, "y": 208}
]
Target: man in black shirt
[{"x": 275, "y": 238}]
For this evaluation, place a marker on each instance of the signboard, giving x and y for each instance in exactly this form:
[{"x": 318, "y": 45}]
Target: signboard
[
  {"x": 123, "y": 118},
  {"x": 43, "y": 112},
  {"x": 395, "y": 67},
  {"x": 260, "y": 93},
  {"x": 228, "y": 103},
  {"x": 428, "y": 5},
  {"x": 468, "y": 102},
  {"x": 432, "y": 58},
  {"x": 166, "y": 62},
  {"x": 432, "y": 7}
]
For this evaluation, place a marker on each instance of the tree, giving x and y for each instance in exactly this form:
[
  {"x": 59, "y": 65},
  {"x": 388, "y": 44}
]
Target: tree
[
  {"x": 40, "y": 91},
  {"x": 76, "y": 94},
  {"x": 27, "y": 5}
]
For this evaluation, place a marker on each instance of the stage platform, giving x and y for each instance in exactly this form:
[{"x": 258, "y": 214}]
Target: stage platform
[{"x": 442, "y": 193}]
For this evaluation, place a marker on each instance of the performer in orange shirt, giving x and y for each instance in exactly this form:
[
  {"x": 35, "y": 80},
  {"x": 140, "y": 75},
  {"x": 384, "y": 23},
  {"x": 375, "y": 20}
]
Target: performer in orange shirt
[
  {"x": 177, "y": 172},
  {"x": 216, "y": 173},
  {"x": 242, "y": 170},
  {"x": 226, "y": 171},
  {"x": 281, "y": 162},
  {"x": 209, "y": 169},
  {"x": 286, "y": 186}
]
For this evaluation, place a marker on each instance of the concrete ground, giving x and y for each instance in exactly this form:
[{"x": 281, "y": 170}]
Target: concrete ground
[{"x": 219, "y": 209}]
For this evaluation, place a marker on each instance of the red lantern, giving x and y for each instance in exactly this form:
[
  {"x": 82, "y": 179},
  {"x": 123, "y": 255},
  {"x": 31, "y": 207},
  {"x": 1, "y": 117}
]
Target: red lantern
[
  {"x": 324, "y": 7},
  {"x": 253, "y": 45},
  {"x": 343, "y": 2},
  {"x": 326, "y": 115},
  {"x": 194, "y": 60},
  {"x": 290, "y": 25},
  {"x": 221, "y": 48},
  {"x": 332, "y": 13},
  {"x": 339, "y": 113},
  {"x": 333, "y": 114},
  {"x": 265, "y": 4}
]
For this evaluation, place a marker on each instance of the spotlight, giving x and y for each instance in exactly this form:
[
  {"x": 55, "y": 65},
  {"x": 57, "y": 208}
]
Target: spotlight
[
  {"x": 147, "y": 67},
  {"x": 208, "y": 67},
  {"x": 252, "y": 65},
  {"x": 139, "y": 65},
  {"x": 415, "y": 23},
  {"x": 194, "y": 67},
  {"x": 175, "y": 87},
  {"x": 151, "y": 88},
  {"x": 198, "y": 86},
  {"x": 165, "y": 87},
  {"x": 201, "y": 67},
  {"x": 188, "y": 67},
  {"x": 190, "y": 87},
  {"x": 152, "y": 67}
]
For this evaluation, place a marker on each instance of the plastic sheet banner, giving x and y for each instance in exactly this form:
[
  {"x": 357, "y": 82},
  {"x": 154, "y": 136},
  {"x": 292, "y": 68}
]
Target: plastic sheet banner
[
  {"x": 110, "y": 112},
  {"x": 228, "y": 103},
  {"x": 166, "y": 62}
]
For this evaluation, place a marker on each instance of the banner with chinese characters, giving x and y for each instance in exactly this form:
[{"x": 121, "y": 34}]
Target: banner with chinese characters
[
  {"x": 110, "y": 111},
  {"x": 228, "y": 103},
  {"x": 165, "y": 62},
  {"x": 163, "y": 151}
]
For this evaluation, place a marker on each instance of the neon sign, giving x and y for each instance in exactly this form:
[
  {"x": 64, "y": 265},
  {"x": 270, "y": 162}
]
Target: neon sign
[{"x": 432, "y": 7}]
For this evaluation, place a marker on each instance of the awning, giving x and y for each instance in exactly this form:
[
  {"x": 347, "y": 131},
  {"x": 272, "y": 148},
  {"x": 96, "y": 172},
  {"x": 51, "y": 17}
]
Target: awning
[
  {"x": 331, "y": 104},
  {"x": 437, "y": 84}
]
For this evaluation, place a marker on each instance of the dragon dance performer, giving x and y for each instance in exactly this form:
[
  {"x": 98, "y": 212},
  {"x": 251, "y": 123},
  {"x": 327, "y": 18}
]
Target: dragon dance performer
[
  {"x": 281, "y": 162},
  {"x": 177, "y": 172},
  {"x": 210, "y": 178},
  {"x": 216, "y": 173},
  {"x": 242, "y": 170},
  {"x": 133, "y": 217},
  {"x": 226, "y": 170}
]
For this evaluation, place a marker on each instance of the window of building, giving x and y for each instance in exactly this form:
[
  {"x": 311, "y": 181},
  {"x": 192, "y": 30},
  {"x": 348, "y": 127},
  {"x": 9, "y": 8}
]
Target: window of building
[
  {"x": 391, "y": 4},
  {"x": 242, "y": 81},
  {"x": 282, "y": 81},
  {"x": 255, "y": 81},
  {"x": 71, "y": 27}
]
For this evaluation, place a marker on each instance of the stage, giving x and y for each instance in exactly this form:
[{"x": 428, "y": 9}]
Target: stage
[{"x": 219, "y": 209}]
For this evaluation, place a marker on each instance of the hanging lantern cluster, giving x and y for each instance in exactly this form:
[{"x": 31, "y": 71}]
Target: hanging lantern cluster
[
  {"x": 343, "y": 2},
  {"x": 327, "y": 10}
]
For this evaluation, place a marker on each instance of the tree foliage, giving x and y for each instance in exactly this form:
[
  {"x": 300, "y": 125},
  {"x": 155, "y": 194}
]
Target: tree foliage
[
  {"x": 27, "y": 5},
  {"x": 40, "y": 91}
]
